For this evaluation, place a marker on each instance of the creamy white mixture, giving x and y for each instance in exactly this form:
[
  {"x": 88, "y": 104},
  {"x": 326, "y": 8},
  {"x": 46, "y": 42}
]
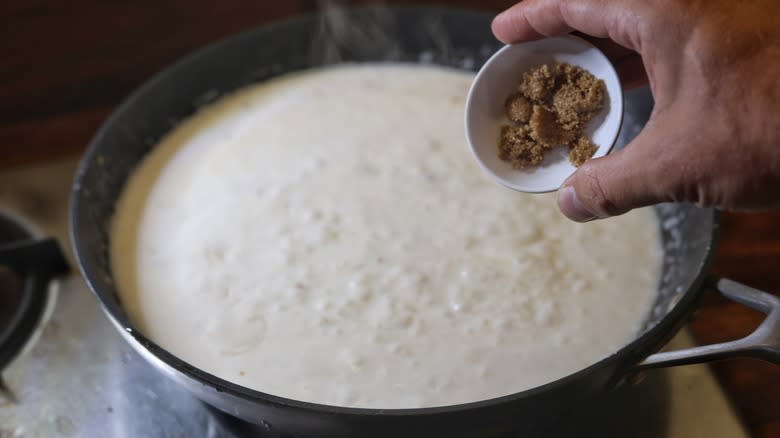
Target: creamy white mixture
[{"x": 327, "y": 237}]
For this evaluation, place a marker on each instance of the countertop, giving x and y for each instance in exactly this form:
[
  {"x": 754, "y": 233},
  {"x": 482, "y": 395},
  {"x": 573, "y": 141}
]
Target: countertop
[{"x": 67, "y": 65}]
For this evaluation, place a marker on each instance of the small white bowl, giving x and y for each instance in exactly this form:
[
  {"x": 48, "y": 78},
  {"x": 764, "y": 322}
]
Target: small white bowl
[{"x": 500, "y": 76}]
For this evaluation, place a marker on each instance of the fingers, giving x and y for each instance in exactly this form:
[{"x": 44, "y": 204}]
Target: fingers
[
  {"x": 609, "y": 48},
  {"x": 641, "y": 174},
  {"x": 514, "y": 25},
  {"x": 628, "y": 64},
  {"x": 535, "y": 19}
]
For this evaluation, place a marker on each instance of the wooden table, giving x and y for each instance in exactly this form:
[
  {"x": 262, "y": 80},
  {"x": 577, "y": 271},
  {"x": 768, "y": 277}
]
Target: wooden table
[{"x": 66, "y": 65}]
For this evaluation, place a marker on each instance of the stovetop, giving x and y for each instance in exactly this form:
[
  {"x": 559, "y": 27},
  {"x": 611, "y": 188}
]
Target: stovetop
[{"x": 80, "y": 379}]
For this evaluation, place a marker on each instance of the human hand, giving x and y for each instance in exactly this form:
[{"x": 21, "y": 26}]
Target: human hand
[{"x": 714, "y": 70}]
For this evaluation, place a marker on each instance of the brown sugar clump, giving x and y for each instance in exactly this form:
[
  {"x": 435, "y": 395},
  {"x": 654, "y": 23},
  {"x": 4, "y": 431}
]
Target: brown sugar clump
[
  {"x": 519, "y": 148},
  {"x": 552, "y": 106},
  {"x": 577, "y": 98},
  {"x": 537, "y": 84},
  {"x": 518, "y": 108},
  {"x": 581, "y": 151},
  {"x": 546, "y": 130}
]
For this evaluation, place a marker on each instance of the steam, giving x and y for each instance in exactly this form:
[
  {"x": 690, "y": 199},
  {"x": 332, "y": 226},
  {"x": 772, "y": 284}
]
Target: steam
[
  {"x": 338, "y": 34},
  {"x": 374, "y": 33}
]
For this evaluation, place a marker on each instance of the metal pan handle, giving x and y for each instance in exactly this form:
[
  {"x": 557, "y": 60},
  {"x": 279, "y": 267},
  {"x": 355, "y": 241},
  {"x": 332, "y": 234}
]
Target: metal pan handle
[
  {"x": 35, "y": 262},
  {"x": 763, "y": 343},
  {"x": 42, "y": 256}
]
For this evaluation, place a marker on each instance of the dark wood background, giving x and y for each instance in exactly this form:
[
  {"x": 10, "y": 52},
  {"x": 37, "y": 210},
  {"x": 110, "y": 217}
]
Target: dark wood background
[{"x": 65, "y": 65}]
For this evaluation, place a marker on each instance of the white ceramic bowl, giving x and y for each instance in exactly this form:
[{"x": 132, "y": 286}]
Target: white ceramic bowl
[{"x": 500, "y": 76}]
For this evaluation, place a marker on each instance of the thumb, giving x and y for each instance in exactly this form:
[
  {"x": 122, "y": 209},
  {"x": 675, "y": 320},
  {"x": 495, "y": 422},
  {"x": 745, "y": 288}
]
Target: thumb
[
  {"x": 535, "y": 19},
  {"x": 641, "y": 174}
]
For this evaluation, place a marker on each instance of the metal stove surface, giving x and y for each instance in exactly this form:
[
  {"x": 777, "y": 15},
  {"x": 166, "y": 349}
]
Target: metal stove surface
[{"x": 80, "y": 379}]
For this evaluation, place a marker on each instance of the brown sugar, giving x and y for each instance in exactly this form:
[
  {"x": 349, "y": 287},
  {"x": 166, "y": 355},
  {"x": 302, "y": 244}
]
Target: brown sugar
[
  {"x": 518, "y": 108},
  {"x": 538, "y": 83},
  {"x": 519, "y": 148},
  {"x": 581, "y": 151},
  {"x": 551, "y": 107},
  {"x": 578, "y": 98},
  {"x": 546, "y": 130}
]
